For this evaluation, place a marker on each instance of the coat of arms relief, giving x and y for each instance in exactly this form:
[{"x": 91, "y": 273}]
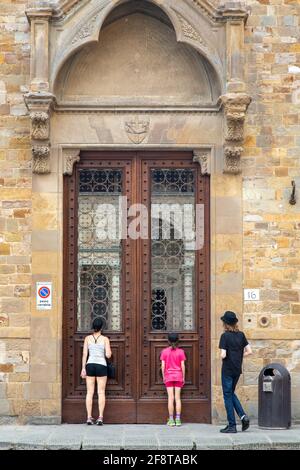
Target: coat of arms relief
[{"x": 137, "y": 129}]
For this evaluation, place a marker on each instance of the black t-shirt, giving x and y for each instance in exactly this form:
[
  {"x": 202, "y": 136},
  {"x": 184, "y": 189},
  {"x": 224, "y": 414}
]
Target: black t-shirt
[{"x": 234, "y": 342}]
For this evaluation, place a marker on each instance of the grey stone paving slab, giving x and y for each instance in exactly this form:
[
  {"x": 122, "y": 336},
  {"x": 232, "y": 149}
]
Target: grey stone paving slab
[
  {"x": 201, "y": 427},
  {"x": 250, "y": 441},
  {"x": 175, "y": 431},
  {"x": 113, "y": 427},
  {"x": 101, "y": 432},
  {"x": 141, "y": 443},
  {"x": 219, "y": 442},
  {"x": 63, "y": 437},
  {"x": 32, "y": 440},
  {"x": 102, "y": 444},
  {"x": 103, "y": 437},
  {"x": 7, "y": 439},
  {"x": 284, "y": 439},
  {"x": 175, "y": 443},
  {"x": 135, "y": 432}
]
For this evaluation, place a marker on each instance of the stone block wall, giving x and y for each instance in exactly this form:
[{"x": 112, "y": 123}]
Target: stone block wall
[
  {"x": 15, "y": 212},
  {"x": 30, "y": 363},
  {"x": 29, "y": 340},
  {"x": 271, "y": 226}
]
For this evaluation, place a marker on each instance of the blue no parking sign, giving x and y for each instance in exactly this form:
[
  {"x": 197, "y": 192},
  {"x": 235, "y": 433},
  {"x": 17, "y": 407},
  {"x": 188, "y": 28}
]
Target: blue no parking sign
[{"x": 43, "y": 295}]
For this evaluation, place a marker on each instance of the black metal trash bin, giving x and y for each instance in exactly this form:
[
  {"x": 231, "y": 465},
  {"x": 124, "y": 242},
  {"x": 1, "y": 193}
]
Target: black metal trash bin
[{"x": 274, "y": 397}]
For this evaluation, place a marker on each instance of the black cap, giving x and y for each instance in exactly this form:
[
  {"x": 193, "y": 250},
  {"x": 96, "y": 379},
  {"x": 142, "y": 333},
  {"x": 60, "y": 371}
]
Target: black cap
[
  {"x": 230, "y": 318},
  {"x": 173, "y": 337}
]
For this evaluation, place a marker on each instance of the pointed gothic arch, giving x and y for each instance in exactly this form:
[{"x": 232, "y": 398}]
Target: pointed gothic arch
[
  {"x": 138, "y": 59},
  {"x": 197, "y": 34}
]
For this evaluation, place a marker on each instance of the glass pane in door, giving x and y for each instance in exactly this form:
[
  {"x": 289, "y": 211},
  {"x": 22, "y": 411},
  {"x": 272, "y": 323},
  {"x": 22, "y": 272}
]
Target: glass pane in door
[
  {"x": 172, "y": 250},
  {"x": 99, "y": 248}
]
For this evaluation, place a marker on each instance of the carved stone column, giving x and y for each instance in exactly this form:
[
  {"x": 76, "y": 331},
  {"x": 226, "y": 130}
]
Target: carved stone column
[
  {"x": 236, "y": 16},
  {"x": 203, "y": 157},
  {"x": 235, "y": 107},
  {"x": 39, "y": 105},
  {"x": 39, "y": 101},
  {"x": 39, "y": 60}
]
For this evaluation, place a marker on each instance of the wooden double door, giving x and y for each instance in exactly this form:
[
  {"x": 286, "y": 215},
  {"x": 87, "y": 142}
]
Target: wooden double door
[{"x": 136, "y": 254}]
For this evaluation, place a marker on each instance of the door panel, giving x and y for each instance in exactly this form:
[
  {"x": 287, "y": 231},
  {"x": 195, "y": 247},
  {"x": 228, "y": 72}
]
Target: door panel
[
  {"x": 142, "y": 287},
  {"x": 175, "y": 293},
  {"x": 92, "y": 288}
]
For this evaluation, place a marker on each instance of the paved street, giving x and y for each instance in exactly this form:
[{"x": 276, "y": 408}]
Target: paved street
[{"x": 189, "y": 436}]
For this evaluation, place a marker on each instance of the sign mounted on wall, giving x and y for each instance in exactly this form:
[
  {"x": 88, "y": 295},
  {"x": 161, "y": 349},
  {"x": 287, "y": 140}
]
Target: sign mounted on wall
[
  {"x": 43, "y": 295},
  {"x": 251, "y": 294}
]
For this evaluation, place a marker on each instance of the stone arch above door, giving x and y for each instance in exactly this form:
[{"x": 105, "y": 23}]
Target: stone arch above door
[
  {"x": 214, "y": 35},
  {"x": 137, "y": 62},
  {"x": 199, "y": 34}
]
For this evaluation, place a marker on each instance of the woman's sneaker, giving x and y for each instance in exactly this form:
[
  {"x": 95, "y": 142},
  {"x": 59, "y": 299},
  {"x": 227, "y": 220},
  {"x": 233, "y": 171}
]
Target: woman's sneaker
[
  {"x": 171, "y": 422},
  {"x": 178, "y": 422},
  {"x": 99, "y": 422},
  {"x": 90, "y": 421}
]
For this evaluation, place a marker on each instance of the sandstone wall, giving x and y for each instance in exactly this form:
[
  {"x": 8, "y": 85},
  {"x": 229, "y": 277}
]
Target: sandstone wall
[
  {"x": 30, "y": 370},
  {"x": 29, "y": 367},
  {"x": 16, "y": 210},
  {"x": 271, "y": 226}
]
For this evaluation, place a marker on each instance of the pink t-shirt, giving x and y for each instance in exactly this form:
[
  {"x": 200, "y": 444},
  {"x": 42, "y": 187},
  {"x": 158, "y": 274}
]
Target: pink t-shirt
[{"x": 173, "y": 358}]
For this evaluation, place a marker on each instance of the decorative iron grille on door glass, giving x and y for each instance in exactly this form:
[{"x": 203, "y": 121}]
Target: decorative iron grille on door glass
[
  {"x": 172, "y": 252},
  {"x": 99, "y": 248}
]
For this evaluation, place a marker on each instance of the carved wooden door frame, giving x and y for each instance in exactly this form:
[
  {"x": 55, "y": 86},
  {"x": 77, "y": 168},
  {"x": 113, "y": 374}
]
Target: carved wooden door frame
[{"x": 129, "y": 403}]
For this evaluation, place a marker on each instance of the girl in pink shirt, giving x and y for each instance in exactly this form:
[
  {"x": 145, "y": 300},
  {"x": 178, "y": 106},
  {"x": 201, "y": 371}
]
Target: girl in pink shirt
[{"x": 173, "y": 371}]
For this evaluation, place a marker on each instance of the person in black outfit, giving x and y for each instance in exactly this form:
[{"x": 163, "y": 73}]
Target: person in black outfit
[{"x": 234, "y": 346}]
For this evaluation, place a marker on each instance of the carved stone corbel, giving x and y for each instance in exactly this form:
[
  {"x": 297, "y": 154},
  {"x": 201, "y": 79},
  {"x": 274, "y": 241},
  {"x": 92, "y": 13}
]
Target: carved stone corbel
[
  {"x": 232, "y": 163},
  {"x": 203, "y": 157},
  {"x": 39, "y": 125},
  {"x": 70, "y": 157},
  {"x": 41, "y": 160},
  {"x": 235, "y": 107},
  {"x": 39, "y": 105}
]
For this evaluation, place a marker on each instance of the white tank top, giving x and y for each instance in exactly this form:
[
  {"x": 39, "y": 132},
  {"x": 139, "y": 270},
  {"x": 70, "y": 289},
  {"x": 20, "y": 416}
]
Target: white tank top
[{"x": 96, "y": 352}]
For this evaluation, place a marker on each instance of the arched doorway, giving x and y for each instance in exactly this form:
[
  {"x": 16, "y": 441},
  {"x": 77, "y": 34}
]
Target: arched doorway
[
  {"x": 141, "y": 288},
  {"x": 121, "y": 97}
]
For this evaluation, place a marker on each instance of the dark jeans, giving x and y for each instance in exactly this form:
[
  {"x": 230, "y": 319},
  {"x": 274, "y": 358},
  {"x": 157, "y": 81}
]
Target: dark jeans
[{"x": 231, "y": 401}]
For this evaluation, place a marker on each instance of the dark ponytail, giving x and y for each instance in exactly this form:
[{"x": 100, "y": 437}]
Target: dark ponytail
[{"x": 173, "y": 339}]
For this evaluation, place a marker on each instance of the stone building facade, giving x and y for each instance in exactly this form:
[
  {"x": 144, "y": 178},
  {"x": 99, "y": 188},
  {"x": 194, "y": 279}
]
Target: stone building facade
[{"x": 217, "y": 80}]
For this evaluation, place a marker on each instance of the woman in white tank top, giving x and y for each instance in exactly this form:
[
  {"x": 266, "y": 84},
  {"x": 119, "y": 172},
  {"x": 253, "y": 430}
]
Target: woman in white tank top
[{"x": 96, "y": 349}]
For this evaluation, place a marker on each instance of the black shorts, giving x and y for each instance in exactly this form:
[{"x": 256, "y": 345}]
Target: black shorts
[{"x": 96, "y": 370}]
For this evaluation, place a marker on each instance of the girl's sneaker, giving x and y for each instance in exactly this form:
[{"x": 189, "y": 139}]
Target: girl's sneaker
[
  {"x": 171, "y": 422},
  {"x": 90, "y": 421},
  {"x": 99, "y": 422},
  {"x": 178, "y": 422}
]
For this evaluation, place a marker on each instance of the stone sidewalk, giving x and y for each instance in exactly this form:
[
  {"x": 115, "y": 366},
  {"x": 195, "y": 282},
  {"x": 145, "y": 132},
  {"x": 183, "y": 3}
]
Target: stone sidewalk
[{"x": 133, "y": 437}]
